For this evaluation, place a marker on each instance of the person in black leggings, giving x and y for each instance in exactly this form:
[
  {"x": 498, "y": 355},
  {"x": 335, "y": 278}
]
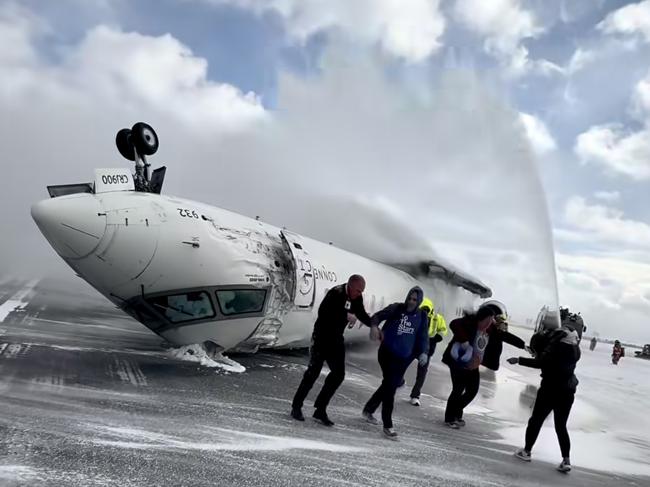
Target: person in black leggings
[{"x": 556, "y": 392}]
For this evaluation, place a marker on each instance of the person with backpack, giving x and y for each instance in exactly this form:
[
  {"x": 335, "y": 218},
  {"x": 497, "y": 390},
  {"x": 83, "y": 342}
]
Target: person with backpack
[
  {"x": 557, "y": 390},
  {"x": 405, "y": 337}
]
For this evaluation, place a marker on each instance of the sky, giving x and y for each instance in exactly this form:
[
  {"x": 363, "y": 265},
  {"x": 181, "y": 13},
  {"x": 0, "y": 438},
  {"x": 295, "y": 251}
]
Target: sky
[{"x": 510, "y": 138}]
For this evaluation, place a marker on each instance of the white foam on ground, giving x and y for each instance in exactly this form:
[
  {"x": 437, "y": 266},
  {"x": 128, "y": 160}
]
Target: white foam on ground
[
  {"x": 224, "y": 439},
  {"x": 197, "y": 354},
  {"x": 17, "y": 472},
  {"x": 609, "y": 423},
  {"x": 597, "y": 451},
  {"x": 18, "y": 300}
]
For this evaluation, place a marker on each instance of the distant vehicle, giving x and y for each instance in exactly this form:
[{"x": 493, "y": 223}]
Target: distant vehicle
[
  {"x": 645, "y": 353},
  {"x": 197, "y": 274}
]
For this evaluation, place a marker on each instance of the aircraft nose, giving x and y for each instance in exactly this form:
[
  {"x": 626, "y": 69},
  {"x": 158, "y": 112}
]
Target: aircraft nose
[{"x": 74, "y": 224}]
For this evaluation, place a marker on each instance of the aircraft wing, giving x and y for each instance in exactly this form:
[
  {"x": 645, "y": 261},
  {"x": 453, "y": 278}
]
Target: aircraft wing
[{"x": 447, "y": 273}]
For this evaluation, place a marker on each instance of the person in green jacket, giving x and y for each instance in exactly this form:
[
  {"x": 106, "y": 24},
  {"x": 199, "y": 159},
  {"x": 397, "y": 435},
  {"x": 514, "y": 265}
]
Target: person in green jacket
[{"x": 437, "y": 329}]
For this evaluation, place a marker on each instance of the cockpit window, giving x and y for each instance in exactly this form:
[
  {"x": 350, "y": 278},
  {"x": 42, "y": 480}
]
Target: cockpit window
[
  {"x": 178, "y": 308},
  {"x": 238, "y": 301}
]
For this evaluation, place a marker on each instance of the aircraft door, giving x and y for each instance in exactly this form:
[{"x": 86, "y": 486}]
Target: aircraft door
[{"x": 304, "y": 284}]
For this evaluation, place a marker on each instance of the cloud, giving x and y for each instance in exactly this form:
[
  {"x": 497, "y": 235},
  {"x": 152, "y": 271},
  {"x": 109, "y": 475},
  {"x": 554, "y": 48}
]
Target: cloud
[
  {"x": 349, "y": 156},
  {"x": 504, "y": 24},
  {"x": 641, "y": 98},
  {"x": 611, "y": 291},
  {"x": 580, "y": 59},
  {"x": 617, "y": 149},
  {"x": 630, "y": 20},
  {"x": 606, "y": 224},
  {"x": 609, "y": 283},
  {"x": 407, "y": 29},
  {"x": 608, "y": 196},
  {"x": 538, "y": 134},
  {"x": 128, "y": 70}
]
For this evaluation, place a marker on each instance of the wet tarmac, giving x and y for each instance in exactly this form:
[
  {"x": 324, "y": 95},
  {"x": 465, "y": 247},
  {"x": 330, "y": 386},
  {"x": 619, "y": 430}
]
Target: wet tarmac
[{"x": 90, "y": 397}]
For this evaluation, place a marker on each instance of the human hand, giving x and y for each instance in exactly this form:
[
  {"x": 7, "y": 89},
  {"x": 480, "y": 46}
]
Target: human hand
[
  {"x": 423, "y": 359},
  {"x": 352, "y": 319},
  {"x": 513, "y": 360},
  {"x": 437, "y": 338},
  {"x": 529, "y": 350}
]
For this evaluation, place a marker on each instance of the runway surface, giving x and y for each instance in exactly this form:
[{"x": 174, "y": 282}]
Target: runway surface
[{"x": 91, "y": 397}]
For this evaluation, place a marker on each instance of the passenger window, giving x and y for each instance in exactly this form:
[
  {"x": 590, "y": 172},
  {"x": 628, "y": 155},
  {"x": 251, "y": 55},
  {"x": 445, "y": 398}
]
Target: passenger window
[
  {"x": 178, "y": 308},
  {"x": 238, "y": 301}
]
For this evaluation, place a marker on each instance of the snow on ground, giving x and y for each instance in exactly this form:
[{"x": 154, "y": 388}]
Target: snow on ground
[
  {"x": 196, "y": 353},
  {"x": 18, "y": 300},
  {"x": 212, "y": 439},
  {"x": 609, "y": 425},
  {"x": 88, "y": 403}
]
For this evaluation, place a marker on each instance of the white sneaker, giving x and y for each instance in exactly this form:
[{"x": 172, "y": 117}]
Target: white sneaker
[
  {"x": 390, "y": 433},
  {"x": 415, "y": 401},
  {"x": 368, "y": 416},
  {"x": 565, "y": 466},
  {"x": 524, "y": 455}
]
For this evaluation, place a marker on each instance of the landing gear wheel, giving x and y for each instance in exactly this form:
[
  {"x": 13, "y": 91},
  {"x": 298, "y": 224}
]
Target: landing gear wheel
[
  {"x": 144, "y": 138},
  {"x": 124, "y": 144}
]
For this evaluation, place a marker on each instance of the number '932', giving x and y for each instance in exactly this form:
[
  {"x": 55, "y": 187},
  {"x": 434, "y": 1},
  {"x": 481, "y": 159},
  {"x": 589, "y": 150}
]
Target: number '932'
[{"x": 184, "y": 212}]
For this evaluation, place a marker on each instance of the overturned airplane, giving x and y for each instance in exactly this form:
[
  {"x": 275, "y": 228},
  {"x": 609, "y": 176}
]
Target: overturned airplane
[{"x": 194, "y": 273}]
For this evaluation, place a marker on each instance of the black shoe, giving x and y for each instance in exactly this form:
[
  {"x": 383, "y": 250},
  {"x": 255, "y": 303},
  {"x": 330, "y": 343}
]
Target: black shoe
[
  {"x": 321, "y": 415},
  {"x": 296, "y": 413}
]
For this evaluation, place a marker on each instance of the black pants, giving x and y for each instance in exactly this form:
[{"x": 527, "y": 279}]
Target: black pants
[
  {"x": 465, "y": 384},
  {"x": 558, "y": 400},
  {"x": 392, "y": 368},
  {"x": 422, "y": 372},
  {"x": 334, "y": 354}
]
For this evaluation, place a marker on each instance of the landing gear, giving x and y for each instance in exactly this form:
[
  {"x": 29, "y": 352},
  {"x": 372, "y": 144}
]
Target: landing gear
[
  {"x": 135, "y": 144},
  {"x": 124, "y": 144},
  {"x": 144, "y": 139}
]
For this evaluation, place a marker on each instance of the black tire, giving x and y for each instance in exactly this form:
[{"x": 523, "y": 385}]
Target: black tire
[
  {"x": 124, "y": 144},
  {"x": 144, "y": 138}
]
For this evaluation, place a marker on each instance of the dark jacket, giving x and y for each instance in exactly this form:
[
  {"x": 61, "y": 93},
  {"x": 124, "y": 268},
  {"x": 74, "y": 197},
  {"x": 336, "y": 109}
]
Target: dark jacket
[
  {"x": 406, "y": 335},
  {"x": 333, "y": 314},
  {"x": 557, "y": 361},
  {"x": 464, "y": 330}
]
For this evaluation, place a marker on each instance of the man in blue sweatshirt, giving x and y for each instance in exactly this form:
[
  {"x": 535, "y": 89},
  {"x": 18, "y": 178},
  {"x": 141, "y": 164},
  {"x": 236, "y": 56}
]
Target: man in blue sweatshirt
[{"x": 405, "y": 337}]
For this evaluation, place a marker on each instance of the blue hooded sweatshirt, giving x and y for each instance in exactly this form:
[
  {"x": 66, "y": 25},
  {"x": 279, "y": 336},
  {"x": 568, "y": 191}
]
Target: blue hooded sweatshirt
[{"x": 406, "y": 335}]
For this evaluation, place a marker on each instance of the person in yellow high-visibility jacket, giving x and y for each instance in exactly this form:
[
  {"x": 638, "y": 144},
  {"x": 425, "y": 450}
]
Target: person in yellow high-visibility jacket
[{"x": 437, "y": 329}]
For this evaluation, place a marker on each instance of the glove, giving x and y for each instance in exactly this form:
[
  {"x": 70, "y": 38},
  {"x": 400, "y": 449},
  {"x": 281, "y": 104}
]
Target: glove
[
  {"x": 529, "y": 350},
  {"x": 437, "y": 338},
  {"x": 423, "y": 359},
  {"x": 513, "y": 360}
]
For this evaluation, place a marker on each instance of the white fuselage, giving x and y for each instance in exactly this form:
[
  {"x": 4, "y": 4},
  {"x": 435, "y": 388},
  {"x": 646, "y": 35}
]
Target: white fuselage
[{"x": 194, "y": 273}]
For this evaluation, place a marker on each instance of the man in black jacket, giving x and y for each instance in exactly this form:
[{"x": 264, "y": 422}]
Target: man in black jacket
[
  {"x": 341, "y": 306},
  {"x": 556, "y": 392}
]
